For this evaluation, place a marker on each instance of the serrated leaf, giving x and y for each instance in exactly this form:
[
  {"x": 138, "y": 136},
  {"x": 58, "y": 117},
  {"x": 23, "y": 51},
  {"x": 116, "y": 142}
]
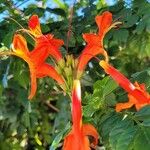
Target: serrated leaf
[
  {"x": 121, "y": 35},
  {"x": 125, "y": 141},
  {"x": 142, "y": 76},
  {"x": 100, "y": 83},
  {"x": 146, "y": 122},
  {"x": 143, "y": 113},
  {"x": 140, "y": 27},
  {"x": 142, "y": 140},
  {"x": 108, "y": 125},
  {"x": 88, "y": 111},
  {"x": 109, "y": 87},
  {"x": 131, "y": 20},
  {"x": 117, "y": 131}
]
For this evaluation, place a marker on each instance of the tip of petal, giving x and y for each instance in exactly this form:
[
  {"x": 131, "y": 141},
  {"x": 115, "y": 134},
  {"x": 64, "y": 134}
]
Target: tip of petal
[
  {"x": 33, "y": 22},
  {"x": 90, "y": 130},
  {"x": 17, "y": 41},
  {"x": 103, "y": 22},
  {"x": 20, "y": 45},
  {"x": 34, "y": 26},
  {"x": 105, "y": 15},
  {"x": 122, "y": 106},
  {"x": 103, "y": 64}
]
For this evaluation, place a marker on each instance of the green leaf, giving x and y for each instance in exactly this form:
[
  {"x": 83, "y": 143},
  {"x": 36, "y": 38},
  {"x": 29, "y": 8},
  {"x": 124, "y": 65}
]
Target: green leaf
[
  {"x": 140, "y": 27},
  {"x": 88, "y": 111},
  {"x": 107, "y": 124},
  {"x": 117, "y": 132},
  {"x": 143, "y": 113},
  {"x": 142, "y": 76},
  {"x": 110, "y": 86},
  {"x": 26, "y": 119},
  {"x": 59, "y": 137},
  {"x": 57, "y": 11},
  {"x": 126, "y": 140},
  {"x": 100, "y": 83},
  {"x": 146, "y": 122},
  {"x": 142, "y": 140},
  {"x": 45, "y": 28},
  {"x": 8, "y": 39},
  {"x": 121, "y": 35},
  {"x": 92, "y": 107},
  {"x": 131, "y": 20}
]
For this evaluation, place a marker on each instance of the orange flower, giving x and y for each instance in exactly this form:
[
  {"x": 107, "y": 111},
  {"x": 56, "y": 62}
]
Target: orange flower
[
  {"x": 77, "y": 139},
  {"x": 136, "y": 92},
  {"x": 51, "y": 44},
  {"x": 47, "y": 41},
  {"x": 95, "y": 41},
  {"x": 38, "y": 68},
  {"x": 34, "y": 26}
]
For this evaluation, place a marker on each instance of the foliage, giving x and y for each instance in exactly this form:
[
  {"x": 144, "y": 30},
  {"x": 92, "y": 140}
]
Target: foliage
[{"x": 42, "y": 123}]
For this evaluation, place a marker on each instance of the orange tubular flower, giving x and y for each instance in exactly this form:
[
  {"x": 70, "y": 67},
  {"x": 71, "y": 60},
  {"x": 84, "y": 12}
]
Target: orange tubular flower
[
  {"x": 136, "y": 92},
  {"x": 48, "y": 41},
  {"x": 77, "y": 139},
  {"x": 38, "y": 68},
  {"x": 95, "y": 41}
]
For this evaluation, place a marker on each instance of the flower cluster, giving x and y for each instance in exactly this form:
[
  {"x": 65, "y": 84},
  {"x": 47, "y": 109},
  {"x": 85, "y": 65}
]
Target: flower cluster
[{"x": 67, "y": 72}]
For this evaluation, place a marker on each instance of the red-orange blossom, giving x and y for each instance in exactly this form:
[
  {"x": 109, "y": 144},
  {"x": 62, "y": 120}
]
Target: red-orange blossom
[
  {"x": 136, "y": 92},
  {"x": 36, "y": 62},
  {"x": 77, "y": 139},
  {"x": 95, "y": 41}
]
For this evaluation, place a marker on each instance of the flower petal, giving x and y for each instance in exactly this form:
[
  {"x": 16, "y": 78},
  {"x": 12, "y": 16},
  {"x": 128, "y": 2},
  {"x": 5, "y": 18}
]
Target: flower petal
[
  {"x": 121, "y": 106},
  {"x": 20, "y": 45},
  {"x": 72, "y": 142},
  {"x": 92, "y": 39},
  {"x": 141, "y": 96},
  {"x": 51, "y": 44},
  {"x": 89, "y": 130},
  {"x": 39, "y": 54},
  {"x": 34, "y": 26},
  {"x": 137, "y": 93},
  {"x": 88, "y": 53},
  {"x": 77, "y": 139},
  {"x": 76, "y": 108},
  {"x": 104, "y": 21},
  {"x": 117, "y": 76},
  {"x": 48, "y": 70},
  {"x": 33, "y": 82},
  {"x": 57, "y": 43}
]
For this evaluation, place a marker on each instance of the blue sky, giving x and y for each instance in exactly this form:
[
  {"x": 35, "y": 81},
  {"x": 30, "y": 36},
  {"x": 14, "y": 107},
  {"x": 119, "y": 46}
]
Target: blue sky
[
  {"x": 51, "y": 4},
  {"x": 21, "y": 5}
]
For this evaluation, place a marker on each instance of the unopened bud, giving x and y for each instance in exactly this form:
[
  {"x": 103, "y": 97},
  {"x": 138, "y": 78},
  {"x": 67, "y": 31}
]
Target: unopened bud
[
  {"x": 68, "y": 71},
  {"x": 75, "y": 63},
  {"x": 70, "y": 59},
  {"x": 61, "y": 63},
  {"x": 58, "y": 69}
]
